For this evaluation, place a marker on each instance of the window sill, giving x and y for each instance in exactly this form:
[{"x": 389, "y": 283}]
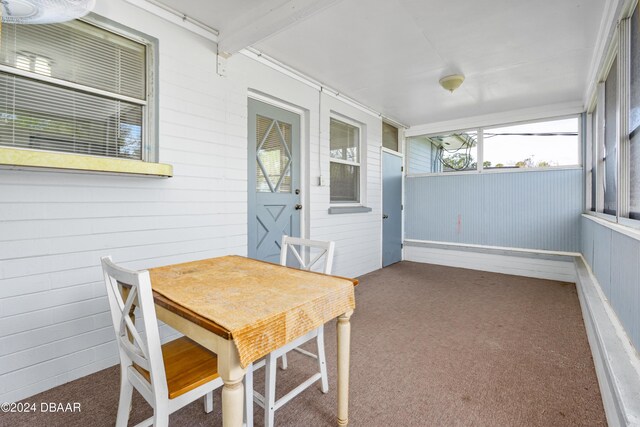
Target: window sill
[
  {"x": 20, "y": 158},
  {"x": 621, "y": 228},
  {"x": 494, "y": 171},
  {"x": 334, "y": 210}
]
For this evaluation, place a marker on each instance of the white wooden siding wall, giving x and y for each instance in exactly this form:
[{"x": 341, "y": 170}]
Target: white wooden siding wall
[
  {"x": 420, "y": 156},
  {"x": 54, "y": 320},
  {"x": 357, "y": 236}
]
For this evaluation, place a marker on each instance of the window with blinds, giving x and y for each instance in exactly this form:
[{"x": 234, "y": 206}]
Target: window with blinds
[
  {"x": 72, "y": 87},
  {"x": 344, "y": 165}
]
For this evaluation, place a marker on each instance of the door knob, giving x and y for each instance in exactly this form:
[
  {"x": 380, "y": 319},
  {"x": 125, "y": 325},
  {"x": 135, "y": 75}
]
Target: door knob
[
  {"x": 385, "y": 216},
  {"x": 298, "y": 206}
]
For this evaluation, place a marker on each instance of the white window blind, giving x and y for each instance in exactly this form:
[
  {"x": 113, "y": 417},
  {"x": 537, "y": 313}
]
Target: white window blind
[
  {"x": 345, "y": 162},
  {"x": 72, "y": 87}
]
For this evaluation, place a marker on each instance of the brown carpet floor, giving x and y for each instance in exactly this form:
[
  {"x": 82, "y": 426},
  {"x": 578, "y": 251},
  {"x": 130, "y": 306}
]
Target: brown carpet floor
[{"x": 431, "y": 346}]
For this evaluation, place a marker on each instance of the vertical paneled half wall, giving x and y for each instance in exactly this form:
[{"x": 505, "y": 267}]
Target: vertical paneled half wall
[
  {"x": 614, "y": 258},
  {"x": 520, "y": 209}
]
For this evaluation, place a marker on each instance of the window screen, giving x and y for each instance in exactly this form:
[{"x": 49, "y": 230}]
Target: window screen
[
  {"x": 455, "y": 152},
  {"x": 610, "y": 146},
  {"x": 533, "y": 145},
  {"x": 594, "y": 159},
  {"x": 72, "y": 87},
  {"x": 634, "y": 120}
]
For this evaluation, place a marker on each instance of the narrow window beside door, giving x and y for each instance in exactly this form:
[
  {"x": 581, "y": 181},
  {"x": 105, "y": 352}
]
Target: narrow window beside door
[{"x": 345, "y": 162}]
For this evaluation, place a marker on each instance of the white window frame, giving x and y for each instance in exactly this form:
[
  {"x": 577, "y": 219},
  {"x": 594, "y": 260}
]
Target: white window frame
[
  {"x": 480, "y": 149},
  {"x": 619, "y": 47},
  {"x": 149, "y": 134},
  {"x": 359, "y": 163}
]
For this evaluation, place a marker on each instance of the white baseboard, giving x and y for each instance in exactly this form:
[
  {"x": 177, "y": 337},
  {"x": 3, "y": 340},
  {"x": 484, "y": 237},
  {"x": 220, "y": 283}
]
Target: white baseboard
[
  {"x": 616, "y": 361},
  {"x": 497, "y": 260}
]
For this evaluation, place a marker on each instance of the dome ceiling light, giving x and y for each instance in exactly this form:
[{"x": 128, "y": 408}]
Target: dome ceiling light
[{"x": 451, "y": 82}]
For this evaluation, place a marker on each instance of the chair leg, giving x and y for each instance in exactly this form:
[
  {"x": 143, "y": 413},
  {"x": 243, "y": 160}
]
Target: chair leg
[
  {"x": 161, "y": 415},
  {"x": 248, "y": 396},
  {"x": 270, "y": 391},
  {"x": 322, "y": 361},
  {"x": 208, "y": 402},
  {"x": 285, "y": 365},
  {"x": 124, "y": 405}
]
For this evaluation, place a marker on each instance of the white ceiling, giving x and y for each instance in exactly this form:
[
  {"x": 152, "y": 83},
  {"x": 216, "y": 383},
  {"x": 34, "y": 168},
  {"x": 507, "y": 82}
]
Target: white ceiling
[{"x": 390, "y": 54}]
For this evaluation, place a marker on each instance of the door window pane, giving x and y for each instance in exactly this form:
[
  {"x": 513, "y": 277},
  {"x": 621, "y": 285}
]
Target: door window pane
[
  {"x": 610, "y": 160},
  {"x": 273, "y": 162}
]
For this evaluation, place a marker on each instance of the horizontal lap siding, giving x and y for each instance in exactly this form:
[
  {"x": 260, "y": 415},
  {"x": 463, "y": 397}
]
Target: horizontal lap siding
[
  {"x": 54, "y": 227},
  {"x": 357, "y": 235},
  {"x": 54, "y": 319}
]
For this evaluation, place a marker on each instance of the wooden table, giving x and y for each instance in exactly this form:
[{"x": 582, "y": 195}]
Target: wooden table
[{"x": 211, "y": 334}]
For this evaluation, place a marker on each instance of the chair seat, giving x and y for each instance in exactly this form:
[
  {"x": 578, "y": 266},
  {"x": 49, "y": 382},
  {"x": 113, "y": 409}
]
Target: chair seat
[{"x": 187, "y": 365}]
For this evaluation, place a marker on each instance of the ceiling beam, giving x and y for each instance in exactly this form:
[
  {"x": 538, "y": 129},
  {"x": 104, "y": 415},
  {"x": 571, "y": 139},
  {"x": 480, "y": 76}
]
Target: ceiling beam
[
  {"x": 269, "y": 18},
  {"x": 172, "y": 15}
]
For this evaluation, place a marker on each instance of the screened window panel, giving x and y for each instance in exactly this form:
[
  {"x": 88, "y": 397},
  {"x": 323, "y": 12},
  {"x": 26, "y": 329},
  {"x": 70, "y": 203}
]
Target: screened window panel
[
  {"x": 533, "y": 145},
  {"x": 594, "y": 160},
  {"x": 345, "y": 141},
  {"x": 345, "y": 183},
  {"x": 610, "y": 146},
  {"x": 389, "y": 136},
  {"x": 41, "y": 116},
  {"x": 455, "y": 152},
  {"x": 77, "y": 52},
  {"x": 634, "y": 119}
]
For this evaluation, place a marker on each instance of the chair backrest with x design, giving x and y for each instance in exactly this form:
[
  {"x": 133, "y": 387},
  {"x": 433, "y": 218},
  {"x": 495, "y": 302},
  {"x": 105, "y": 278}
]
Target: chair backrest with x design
[
  {"x": 289, "y": 245},
  {"x": 141, "y": 349}
]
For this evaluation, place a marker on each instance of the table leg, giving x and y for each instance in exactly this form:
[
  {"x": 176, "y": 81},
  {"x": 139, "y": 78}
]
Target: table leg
[
  {"x": 344, "y": 342},
  {"x": 233, "y": 390}
]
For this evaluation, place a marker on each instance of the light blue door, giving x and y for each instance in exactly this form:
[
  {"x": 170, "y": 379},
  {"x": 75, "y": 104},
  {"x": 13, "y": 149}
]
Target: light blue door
[
  {"x": 274, "y": 179},
  {"x": 391, "y": 208}
]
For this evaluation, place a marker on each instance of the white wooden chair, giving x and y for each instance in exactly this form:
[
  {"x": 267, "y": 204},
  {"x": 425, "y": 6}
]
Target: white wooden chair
[
  {"x": 268, "y": 401},
  {"x": 168, "y": 376}
]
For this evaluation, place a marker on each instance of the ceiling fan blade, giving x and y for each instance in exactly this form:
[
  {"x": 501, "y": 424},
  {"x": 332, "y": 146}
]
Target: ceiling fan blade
[{"x": 44, "y": 11}]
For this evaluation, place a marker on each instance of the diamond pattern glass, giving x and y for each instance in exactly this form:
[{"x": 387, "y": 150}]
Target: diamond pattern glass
[{"x": 273, "y": 158}]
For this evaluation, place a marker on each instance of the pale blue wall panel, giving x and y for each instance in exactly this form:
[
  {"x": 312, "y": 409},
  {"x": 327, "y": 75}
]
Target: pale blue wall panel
[
  {"x": 420, "y": 155},
  {"x": 534, "y": 210},
  {"x": 625, "y": 280},
  {"x": 437, "y": 208},
  {"x": 615, "y": 261},
  {"x": 602, "y": 258},
  {"x": 586, "y": 237}
]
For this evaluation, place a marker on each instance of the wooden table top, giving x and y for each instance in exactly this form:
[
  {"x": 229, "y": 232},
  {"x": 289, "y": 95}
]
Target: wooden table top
[{"x": 257, "y": 304}]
